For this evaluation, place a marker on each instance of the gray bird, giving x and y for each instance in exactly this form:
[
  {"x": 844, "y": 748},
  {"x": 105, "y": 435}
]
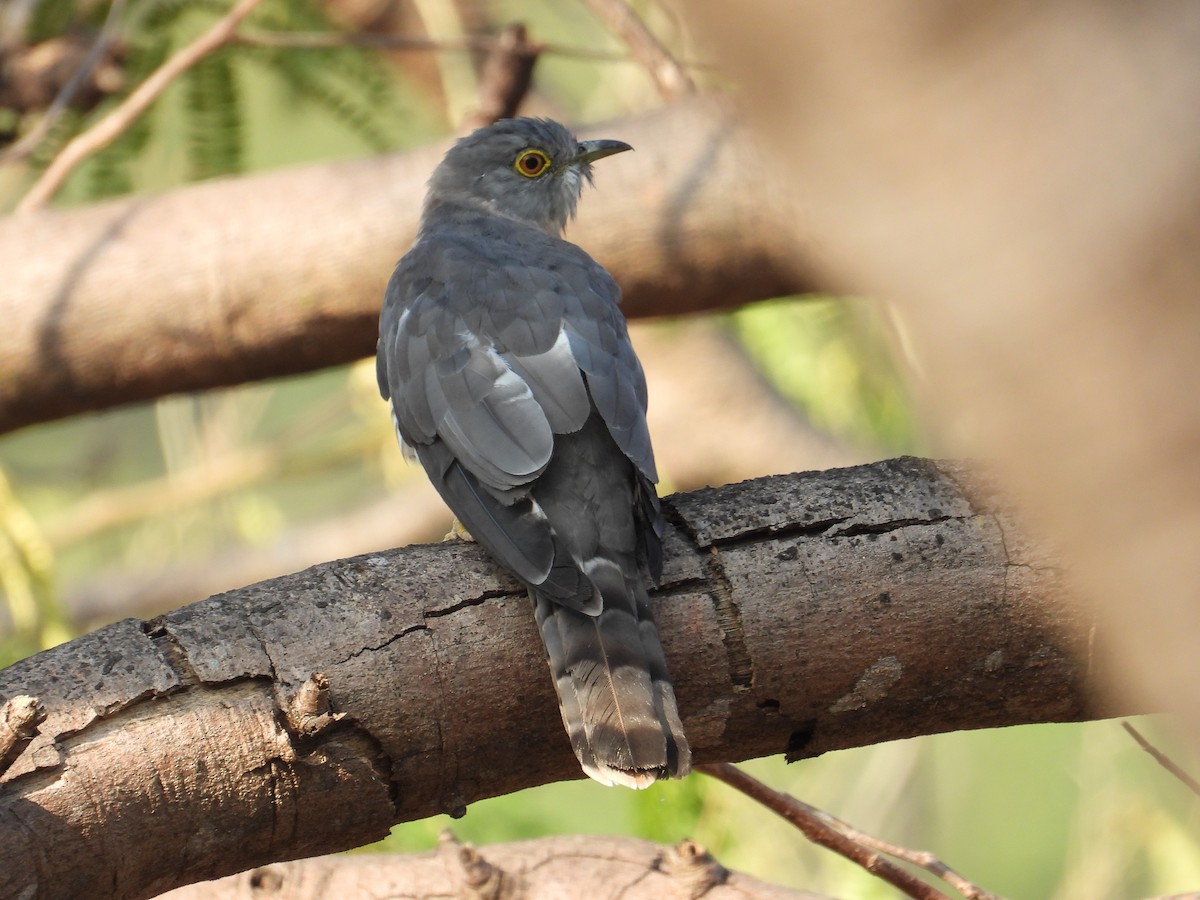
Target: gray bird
[{"x": 512, "y": 379}]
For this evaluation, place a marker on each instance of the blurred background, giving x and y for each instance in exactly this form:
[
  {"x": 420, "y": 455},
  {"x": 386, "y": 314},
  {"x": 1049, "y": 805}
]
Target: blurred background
[{"x": 145, "y": 508}]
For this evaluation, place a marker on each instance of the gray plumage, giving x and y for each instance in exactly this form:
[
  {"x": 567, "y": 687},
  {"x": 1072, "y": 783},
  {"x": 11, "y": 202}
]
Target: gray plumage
[{"x": 512, "y": 380}]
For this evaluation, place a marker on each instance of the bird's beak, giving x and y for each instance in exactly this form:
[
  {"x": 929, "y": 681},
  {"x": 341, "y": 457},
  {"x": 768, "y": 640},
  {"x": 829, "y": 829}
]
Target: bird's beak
[{"x": 590, "y": 151}]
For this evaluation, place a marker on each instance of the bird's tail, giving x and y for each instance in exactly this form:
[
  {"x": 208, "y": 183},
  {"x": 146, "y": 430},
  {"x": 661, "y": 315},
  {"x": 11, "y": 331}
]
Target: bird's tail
[{"x": 614, "y": 691}]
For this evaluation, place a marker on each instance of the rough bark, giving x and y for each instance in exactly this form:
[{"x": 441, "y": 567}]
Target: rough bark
[
  {"x": 248, "y": 278},
  {"x": 306, "y": 714},
  {"x": 566, "y": 866}
]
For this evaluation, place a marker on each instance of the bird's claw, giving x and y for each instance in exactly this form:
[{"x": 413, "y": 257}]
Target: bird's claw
[{"x": 458, "y": 532}]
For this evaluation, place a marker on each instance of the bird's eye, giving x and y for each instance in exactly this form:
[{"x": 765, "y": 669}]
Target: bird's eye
[{"x": 532, "y": 163}]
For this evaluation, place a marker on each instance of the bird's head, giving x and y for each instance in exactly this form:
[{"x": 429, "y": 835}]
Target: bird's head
[{"x": 531, "y": 170}]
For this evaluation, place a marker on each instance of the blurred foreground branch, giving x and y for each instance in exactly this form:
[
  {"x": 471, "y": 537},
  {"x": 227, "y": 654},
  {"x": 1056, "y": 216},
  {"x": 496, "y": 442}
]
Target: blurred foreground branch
[
  {"x": 307, "y": 714},
  {"x": 248, "y": 278},
  {"x": 1020, "y": 181},
  {"x": 563, "y": 866}
]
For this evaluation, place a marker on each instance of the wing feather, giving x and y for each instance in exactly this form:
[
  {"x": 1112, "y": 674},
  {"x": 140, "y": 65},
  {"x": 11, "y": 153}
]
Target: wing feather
[{"x": 495, "y": 358}]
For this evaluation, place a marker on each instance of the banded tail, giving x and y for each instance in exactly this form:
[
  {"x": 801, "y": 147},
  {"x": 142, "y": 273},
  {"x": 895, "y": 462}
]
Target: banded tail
[{"x": 614, "y": 693}]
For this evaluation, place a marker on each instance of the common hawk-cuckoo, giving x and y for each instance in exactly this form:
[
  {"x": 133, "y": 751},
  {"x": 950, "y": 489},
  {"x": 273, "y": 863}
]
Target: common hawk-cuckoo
[{"x": 512, "y": 379}]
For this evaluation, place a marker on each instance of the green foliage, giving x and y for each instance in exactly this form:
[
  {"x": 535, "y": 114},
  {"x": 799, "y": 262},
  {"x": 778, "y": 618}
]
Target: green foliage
[
  {"x": 214, "y": 118},
  {"x": 26, "y": 576},
  {"x": 50, "y": 18},
  {"x": 203, "y": 124},
  {"x": 349, "y": 84},
  {"x": 326, "y": 87},
  {"x": 666, "y": 812},
  {"x": 831, "y": 358},
  {"x": 110, "y": 172}
]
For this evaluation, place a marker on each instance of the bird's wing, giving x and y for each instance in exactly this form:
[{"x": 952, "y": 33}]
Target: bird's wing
[
  {"x": 486, "y": 354},
  {"x": 449, "y": 321},
  {"x": 600, "y": 346},
  {"x": 473, "y": 357}
]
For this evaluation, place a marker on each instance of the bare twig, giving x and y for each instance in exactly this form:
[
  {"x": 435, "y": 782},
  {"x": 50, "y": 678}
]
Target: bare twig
[
  {"x": 922, "y": 858},
  {"x": 670, "y": 77},
  {"x": 317, "y": 40},
  {"x": 1162, "y": 759},
  {"x": 19, "y": 720},
  {"x": 104, "y": 39},
  {"x": 829, "y": 831},
  {"x": 14, "y": 20},
  {"x": 505, "y": 80},
  {"x": 111, "y": 126}
]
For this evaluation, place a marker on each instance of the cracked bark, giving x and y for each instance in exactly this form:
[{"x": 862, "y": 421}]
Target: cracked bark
[{"x": 800, "y": 614}]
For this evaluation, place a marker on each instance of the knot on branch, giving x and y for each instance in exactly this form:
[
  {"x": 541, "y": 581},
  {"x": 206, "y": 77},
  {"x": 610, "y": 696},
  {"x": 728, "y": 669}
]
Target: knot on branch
[
  {"x": 693, "y": 870},
  {"x": 480, "y": 879},
  {"x": 266, "y": 880},
  {"x": 20, "y": 717},
  {"x": 309, "y": 712}
]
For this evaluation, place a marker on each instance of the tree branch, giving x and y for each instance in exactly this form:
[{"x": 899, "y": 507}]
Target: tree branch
[
  {"x": 800, "y": 614},
  {"x": 110, "y": 127},
  {"x": 66, "y": 96},
  {"x": 1163, "y": 760},
  {"x": 310, "y": 40},
  {"x": 671, "y": 78},
  {"x": 1023, "y": 188},
  {"x": 504, "y": 81},
  {"x": 295, "y": 280},
  {"x": 563, "y": 866},
  {"x": 831, "y": 832}
]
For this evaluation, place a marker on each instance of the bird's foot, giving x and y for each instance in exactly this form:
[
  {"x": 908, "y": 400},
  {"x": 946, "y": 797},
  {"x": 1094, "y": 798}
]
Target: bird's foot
[{"x": 458, "y": 532}]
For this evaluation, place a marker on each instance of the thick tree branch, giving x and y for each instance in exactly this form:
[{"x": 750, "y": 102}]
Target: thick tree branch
[
  {"x": 139, "y": 298},
  {"x": 801, "y": 614}
]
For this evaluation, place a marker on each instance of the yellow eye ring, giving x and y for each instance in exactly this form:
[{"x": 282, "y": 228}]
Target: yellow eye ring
[{"x": 532, "y": 163}]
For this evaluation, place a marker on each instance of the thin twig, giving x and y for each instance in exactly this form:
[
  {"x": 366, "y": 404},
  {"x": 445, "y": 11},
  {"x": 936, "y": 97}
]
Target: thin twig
[
  {"x": 62, "y": 100},
  {"x": 504, "y": 82},
  {"x": 1163, "y": 760},
  {"x": 669, "y": 75},
  {"x": 921, "y": 858},
  {"x": 111, "y": 126},
  {"x": 318, "y": 40},
  {"x": 834, "y": 834}
]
